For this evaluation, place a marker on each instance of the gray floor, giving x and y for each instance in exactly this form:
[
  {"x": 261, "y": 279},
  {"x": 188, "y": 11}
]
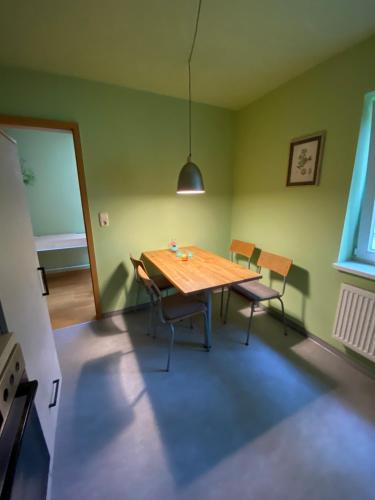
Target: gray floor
[{"x": 280, "y": 419}]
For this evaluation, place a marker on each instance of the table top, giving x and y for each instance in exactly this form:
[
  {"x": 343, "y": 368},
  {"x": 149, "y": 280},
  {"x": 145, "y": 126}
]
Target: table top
[{"x": 204, "y": 271}]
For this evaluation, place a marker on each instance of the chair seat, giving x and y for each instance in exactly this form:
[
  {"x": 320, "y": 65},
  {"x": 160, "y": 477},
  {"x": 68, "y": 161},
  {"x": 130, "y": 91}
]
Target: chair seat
[
  {"x": 178, "y": 306},
  {"x": 161, "y": 282},
  {"x": 255, "y": 291}
]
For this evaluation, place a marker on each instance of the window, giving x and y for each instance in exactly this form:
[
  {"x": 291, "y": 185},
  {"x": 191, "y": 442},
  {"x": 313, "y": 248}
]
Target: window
[
  {"x": 365, "y": 245},
  {"x": 372, "y": 231},
  {"x": 357, "y": 249},
  {"x": 366, "y": 240}
]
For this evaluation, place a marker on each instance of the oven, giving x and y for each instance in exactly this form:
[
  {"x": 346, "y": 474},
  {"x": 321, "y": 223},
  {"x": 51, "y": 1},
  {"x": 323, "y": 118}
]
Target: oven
[{"x": 24, "y": 456}]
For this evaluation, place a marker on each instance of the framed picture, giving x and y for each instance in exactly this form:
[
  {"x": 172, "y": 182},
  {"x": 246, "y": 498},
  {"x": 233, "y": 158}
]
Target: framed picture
[{"x": 305, "y": 158}]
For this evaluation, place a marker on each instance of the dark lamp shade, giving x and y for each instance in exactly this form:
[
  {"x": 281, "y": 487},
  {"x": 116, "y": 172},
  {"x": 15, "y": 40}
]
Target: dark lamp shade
[{"x": 190, "y": 180}]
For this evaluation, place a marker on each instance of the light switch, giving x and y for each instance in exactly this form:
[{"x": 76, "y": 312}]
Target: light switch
[{"x": 103, "y": 219}]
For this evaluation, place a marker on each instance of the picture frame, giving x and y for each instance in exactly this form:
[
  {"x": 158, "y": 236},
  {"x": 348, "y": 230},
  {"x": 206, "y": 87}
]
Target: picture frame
[{"x": 305, "y": 159}]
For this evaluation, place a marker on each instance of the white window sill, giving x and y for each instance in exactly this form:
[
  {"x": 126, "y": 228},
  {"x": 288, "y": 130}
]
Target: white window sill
[{"x": 357, "y": 268}]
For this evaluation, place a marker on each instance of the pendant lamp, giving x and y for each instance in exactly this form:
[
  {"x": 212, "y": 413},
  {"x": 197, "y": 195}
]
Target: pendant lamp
[{"x": 190, "y": 180}]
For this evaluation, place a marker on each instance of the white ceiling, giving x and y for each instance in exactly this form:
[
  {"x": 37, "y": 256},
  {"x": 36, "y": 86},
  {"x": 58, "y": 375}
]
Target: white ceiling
[{"x": 244, "y": 48}]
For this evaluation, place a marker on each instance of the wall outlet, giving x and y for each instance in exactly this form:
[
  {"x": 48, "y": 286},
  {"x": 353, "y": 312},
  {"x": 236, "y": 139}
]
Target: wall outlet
[{"x": 103, "y": 219}]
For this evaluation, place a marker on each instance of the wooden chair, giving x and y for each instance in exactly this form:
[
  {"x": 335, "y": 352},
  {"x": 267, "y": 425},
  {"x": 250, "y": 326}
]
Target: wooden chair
[
  {"x": 161, "y": 281},
  {"x": 244, "y": 249},
  {"x": 173, "y": 308},
  {"x": 254, "y": 291}
]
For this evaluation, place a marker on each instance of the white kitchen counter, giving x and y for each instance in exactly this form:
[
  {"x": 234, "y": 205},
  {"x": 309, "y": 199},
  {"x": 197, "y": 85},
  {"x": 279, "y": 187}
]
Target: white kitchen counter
[{"x": 60, "y": 241}]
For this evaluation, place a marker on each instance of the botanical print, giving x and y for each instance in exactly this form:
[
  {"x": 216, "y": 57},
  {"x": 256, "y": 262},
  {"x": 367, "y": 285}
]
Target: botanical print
[{"x": 304, "y": 159}]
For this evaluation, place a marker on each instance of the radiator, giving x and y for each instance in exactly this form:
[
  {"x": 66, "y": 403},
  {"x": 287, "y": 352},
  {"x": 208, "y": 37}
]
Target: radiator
[{"x": 355, "y": 320}]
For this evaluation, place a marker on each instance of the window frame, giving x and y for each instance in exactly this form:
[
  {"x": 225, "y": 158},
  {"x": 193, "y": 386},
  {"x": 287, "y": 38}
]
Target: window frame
[
  {"x": 363, "y": 250},
  {"x": 347, "y": 260}
]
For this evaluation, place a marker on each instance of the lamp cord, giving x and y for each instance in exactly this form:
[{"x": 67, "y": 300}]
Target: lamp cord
[{"x": 189, "y": 63}]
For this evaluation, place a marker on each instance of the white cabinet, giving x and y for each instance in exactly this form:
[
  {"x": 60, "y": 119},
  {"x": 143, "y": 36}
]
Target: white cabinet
[{"x": 25, "y": 308}]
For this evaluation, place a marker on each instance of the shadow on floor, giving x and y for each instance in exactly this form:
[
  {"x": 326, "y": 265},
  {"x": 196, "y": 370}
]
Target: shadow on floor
[
  {"x": 97, "y": 412},
  {"x": 212, "y": 404},
  {"x": 108, "y": 326}
]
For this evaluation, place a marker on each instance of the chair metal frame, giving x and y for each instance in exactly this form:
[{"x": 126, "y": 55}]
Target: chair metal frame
[
  {"x": 254, "y": 302},
  {"x": 156, "y": 304}
]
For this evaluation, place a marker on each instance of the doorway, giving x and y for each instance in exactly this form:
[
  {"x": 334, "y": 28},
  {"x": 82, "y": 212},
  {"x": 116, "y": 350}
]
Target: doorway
[{"x": 51, "y": 162}]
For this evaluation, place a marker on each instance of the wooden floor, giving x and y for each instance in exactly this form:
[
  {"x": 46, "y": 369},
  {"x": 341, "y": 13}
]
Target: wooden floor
[{"x": 71, "y": 299}]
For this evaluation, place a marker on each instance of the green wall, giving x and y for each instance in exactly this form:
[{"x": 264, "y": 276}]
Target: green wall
[
  {"x": 305, "y": 222},
  {"x": 134, "y": 144},
  {"x": 53, "y": 198}
]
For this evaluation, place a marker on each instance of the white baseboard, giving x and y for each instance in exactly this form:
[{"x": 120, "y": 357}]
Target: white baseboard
[{"x": 322, "y": 343}]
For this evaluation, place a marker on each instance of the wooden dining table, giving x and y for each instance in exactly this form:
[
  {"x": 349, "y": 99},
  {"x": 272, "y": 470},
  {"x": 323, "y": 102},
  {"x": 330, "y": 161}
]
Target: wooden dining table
[{"x": 203, "y": 272}]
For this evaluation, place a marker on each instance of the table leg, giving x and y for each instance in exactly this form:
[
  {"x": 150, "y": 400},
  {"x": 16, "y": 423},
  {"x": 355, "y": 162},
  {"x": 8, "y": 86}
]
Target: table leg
[{"x": 208, "y": 294}]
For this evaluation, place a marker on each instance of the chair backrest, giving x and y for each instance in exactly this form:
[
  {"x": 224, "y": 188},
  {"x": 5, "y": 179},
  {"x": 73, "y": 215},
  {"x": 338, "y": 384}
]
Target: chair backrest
[
  {"x": 137, "y": 263},
  {"x": 242, "y": 248},
  {"x": 149, "y": 284},
  {"x": 275, "y": 263}
]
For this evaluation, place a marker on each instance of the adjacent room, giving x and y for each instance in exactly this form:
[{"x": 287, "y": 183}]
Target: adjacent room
[
  {"x": 49, "y": 170},
  {"x": 187, "y": 277}
]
